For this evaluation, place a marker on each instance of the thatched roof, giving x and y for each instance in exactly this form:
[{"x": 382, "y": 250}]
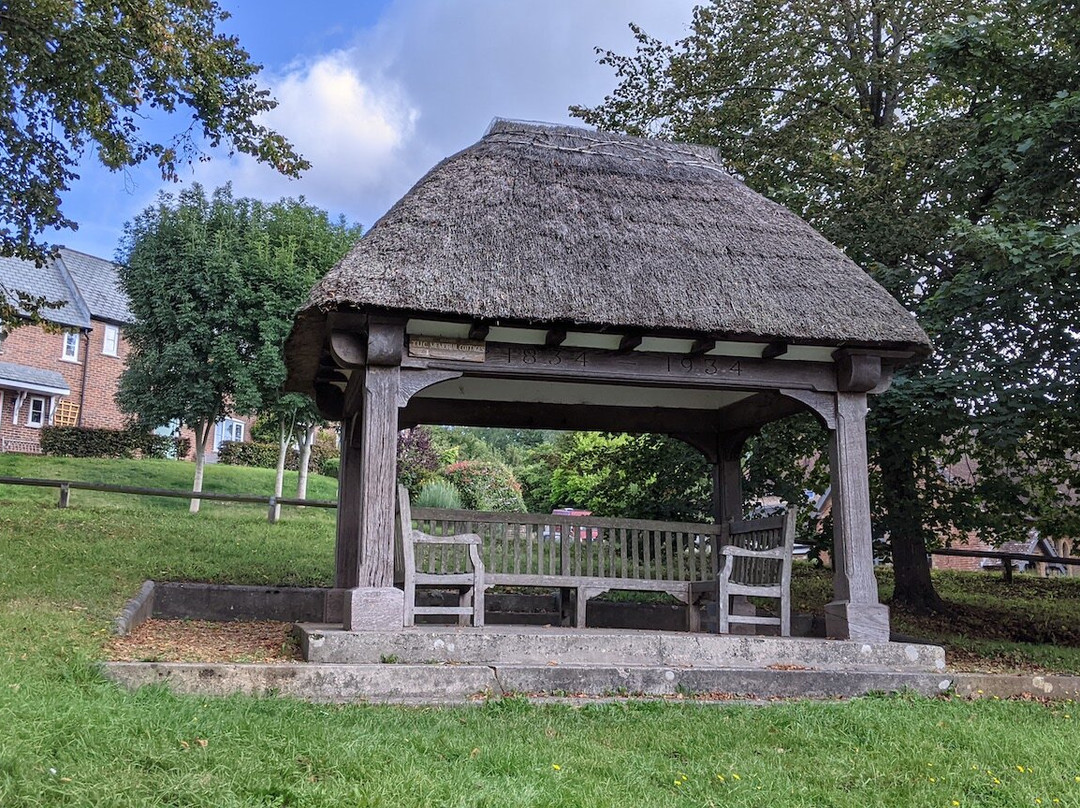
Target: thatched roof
[{"x": 556, "y": 225}]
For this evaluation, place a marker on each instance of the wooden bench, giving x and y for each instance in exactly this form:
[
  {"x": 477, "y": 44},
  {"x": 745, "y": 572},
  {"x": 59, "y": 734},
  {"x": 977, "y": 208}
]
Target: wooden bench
[
  {"x": 1007, "y": 559},
  {"x": 583, "y": 554}
]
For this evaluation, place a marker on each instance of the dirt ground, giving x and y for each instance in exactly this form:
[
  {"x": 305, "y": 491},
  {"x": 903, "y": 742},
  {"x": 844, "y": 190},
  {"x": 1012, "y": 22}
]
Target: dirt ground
[{"x": 206, "y": 641}]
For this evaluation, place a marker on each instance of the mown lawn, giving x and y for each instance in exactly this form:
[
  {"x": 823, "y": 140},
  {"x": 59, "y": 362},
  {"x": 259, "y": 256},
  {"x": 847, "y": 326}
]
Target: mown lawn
[{"x": 71, "y": 738}]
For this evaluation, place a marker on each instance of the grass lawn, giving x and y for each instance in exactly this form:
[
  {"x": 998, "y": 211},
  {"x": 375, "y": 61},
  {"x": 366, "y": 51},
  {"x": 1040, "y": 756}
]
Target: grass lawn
[{"x": 71, "y": 738}]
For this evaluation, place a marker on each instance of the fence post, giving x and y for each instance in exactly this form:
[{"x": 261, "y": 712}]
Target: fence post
[
  {"x": 275, "y": 511},
  {"x": 65, "y": 491}
]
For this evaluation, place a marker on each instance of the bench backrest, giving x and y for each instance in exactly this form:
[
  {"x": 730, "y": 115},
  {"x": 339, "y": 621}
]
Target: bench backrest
[
  {"x": 534, "y": 544},
  {"x": 770, "y": 533}
]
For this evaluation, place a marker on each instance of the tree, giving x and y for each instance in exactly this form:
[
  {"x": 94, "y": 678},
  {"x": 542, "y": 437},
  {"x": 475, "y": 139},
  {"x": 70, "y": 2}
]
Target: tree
[
  {"x": 633, "y": 476},
  {"x": 212, "y": 284},
  {"x": 291, "y": 245},
  {"x": 935, "y": 142},
  {"x": 85, "y": 75}
]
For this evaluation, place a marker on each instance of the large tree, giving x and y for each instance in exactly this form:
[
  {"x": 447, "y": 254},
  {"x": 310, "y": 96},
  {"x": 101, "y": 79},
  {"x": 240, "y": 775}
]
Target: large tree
[
  {"x": 213, "y": 282},
  {"x": 935, "y": 142},
  {"x": 85, "y": 75}
]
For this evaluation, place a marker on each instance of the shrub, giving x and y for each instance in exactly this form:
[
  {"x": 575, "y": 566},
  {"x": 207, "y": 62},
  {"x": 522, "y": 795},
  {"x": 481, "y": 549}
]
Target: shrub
[
  {"x": 77, "y": 441},
  {"x": 265, "y": 456},
  {"x": 417, "y": 458},
  {"x": 486, "y": 485},
  {"x": 259, "y": 455},
  {"x": 331, "y": 467},
  {"x": 438, "y": 494}
]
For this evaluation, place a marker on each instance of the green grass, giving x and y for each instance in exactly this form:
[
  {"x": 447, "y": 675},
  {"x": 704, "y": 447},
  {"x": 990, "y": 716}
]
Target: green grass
[{"x": 72, "y": 739}]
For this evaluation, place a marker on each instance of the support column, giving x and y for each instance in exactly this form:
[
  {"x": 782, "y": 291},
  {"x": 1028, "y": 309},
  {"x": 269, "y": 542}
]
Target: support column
[
  {"x": 371, "y": 401},
  {"x": 347, "y": 547},
  {"x": 728, "y": 478},
  {"x": 855, "y": 612}
]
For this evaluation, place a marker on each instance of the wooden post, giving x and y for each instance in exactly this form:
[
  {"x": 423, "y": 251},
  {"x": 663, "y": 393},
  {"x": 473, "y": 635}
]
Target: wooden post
[
  {"x": 275, "y": 511},
  {"x": 855, "y": 613},
  {"x": 368, "y": 489},
  {"x": 65, "y": 492},
  {"x": 347, "y": 548},
  {"x": 378, "y": 476},
  {"x": 728, "y": 477}
]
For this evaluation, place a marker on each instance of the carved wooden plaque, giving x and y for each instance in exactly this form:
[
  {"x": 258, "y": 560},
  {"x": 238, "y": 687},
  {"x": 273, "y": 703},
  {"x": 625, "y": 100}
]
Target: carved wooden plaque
[{"x": 462, "y": 350}]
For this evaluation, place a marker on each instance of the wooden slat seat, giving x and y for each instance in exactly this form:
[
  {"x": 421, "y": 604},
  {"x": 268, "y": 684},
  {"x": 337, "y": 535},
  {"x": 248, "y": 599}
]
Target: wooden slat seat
[{"x": 469, "y": 582}]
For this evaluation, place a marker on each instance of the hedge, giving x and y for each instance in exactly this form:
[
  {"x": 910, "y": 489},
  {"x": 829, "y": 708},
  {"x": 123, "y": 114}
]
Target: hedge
[
  {"x": 78, "y": 441},
  {"x": 265, "y": 456}
]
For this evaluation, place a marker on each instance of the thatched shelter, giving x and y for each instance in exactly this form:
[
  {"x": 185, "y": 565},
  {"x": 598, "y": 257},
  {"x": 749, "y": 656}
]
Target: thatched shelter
[{"x": 562, "y": 278}]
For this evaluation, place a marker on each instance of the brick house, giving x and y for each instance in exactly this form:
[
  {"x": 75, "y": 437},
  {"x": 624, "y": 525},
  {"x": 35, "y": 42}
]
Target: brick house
[{"x": 67, "y": 374}]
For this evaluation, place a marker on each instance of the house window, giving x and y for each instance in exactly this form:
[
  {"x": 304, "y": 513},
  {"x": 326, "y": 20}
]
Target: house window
[
  {"x": 37, "y": 413},
  {"x": 71, "y": 346},
  {"x": 228, "y": 430},
  {"x": 111, "y": 346}
]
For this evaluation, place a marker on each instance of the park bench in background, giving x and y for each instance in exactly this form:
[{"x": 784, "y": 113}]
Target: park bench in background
[{"x": 1007, "y": 559}]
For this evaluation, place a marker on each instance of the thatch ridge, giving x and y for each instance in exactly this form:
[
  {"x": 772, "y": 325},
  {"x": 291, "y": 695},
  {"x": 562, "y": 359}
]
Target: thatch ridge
[{"x": 555, "y": 224}]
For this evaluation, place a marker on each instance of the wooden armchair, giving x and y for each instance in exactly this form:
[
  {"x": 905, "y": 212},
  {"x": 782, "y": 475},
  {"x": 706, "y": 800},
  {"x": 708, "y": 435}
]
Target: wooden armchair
[
  {"x": 469, "y": 582},
  {"x": 756, "y": 562}
]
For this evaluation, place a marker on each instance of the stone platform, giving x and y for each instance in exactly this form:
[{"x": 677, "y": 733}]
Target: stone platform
[{"x": 584, "y": 648}]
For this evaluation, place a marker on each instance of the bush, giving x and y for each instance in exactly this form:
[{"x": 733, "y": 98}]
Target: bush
[
  {"x": 486, "y": 485},
  {"x": 438, "y": 494},
  {"x": 78, "y": 441},
  {"x": 417, "y": 458},
  {"x": 265, "y": 456},
  {"x": 331, "y": 467}
]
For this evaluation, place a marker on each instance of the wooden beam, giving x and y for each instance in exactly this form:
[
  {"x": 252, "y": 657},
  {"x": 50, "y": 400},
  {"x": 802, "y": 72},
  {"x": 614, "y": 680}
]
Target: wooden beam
[
  {"x": 629, "y": 342},
  {"x": 531, "y": 415},
  {"x": 479, "y": 331},
  {"x": 774, "y": 349},
  {"x": 348, "y": 349},
  {"x": 702, "y": 346},
  {"x": 555, "y": 337},
  {"x": 513, "y": 361}
]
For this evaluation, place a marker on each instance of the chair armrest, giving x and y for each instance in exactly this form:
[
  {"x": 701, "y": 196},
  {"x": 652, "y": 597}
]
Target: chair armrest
[{"x": 744, "y": 552}]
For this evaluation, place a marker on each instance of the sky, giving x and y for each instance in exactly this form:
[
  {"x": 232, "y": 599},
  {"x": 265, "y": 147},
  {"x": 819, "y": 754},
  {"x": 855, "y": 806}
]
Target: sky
[{"x": 376, "y": 92}]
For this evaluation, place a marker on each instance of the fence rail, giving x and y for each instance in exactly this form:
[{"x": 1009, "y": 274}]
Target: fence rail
[
  {"x": 1007, "y": 559},
  {"x": 66, "y": 486}
]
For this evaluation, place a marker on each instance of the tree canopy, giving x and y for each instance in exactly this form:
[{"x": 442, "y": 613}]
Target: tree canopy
[
  {"x": 213, "y": 283},
  {"x": 86, "y": 75},
  {"x": 936, "y": 143}
]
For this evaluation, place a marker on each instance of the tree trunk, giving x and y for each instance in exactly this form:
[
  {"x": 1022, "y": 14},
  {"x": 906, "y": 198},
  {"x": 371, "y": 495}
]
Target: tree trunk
[
  {"x": 202, "y": 432},
  {"x": 905, "y": 523},
  {"x": 307, "y": 438},
  {"x": 284, "y": 438}
]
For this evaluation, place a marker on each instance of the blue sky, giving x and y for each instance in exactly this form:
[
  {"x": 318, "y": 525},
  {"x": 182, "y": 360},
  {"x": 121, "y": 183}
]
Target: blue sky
[{"x": 375, "y": 92}]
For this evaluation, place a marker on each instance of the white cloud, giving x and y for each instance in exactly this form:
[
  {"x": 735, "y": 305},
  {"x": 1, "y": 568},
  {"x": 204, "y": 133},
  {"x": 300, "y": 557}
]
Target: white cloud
[{"x": 425, "y": 81}]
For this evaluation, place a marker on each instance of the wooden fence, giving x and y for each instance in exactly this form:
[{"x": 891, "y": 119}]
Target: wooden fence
[{"x": 67, "y": 486}]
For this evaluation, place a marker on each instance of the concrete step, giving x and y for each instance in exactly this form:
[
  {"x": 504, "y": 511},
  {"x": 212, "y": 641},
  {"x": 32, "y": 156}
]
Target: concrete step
[
  {"x": 457, "y": 684},
  {"x": 502, "y": 646}
]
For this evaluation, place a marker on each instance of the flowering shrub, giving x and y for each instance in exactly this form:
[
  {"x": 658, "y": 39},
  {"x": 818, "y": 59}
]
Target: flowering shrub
[
  {"x": 486, "y": 485},
  {"x": 417, "y": 458}
]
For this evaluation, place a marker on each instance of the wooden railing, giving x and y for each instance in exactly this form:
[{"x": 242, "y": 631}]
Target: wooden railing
[
  {"x": 67, "y": 486},
  {"x": 1007, "y": 559},
  {"x": 573, "y": 547}
]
